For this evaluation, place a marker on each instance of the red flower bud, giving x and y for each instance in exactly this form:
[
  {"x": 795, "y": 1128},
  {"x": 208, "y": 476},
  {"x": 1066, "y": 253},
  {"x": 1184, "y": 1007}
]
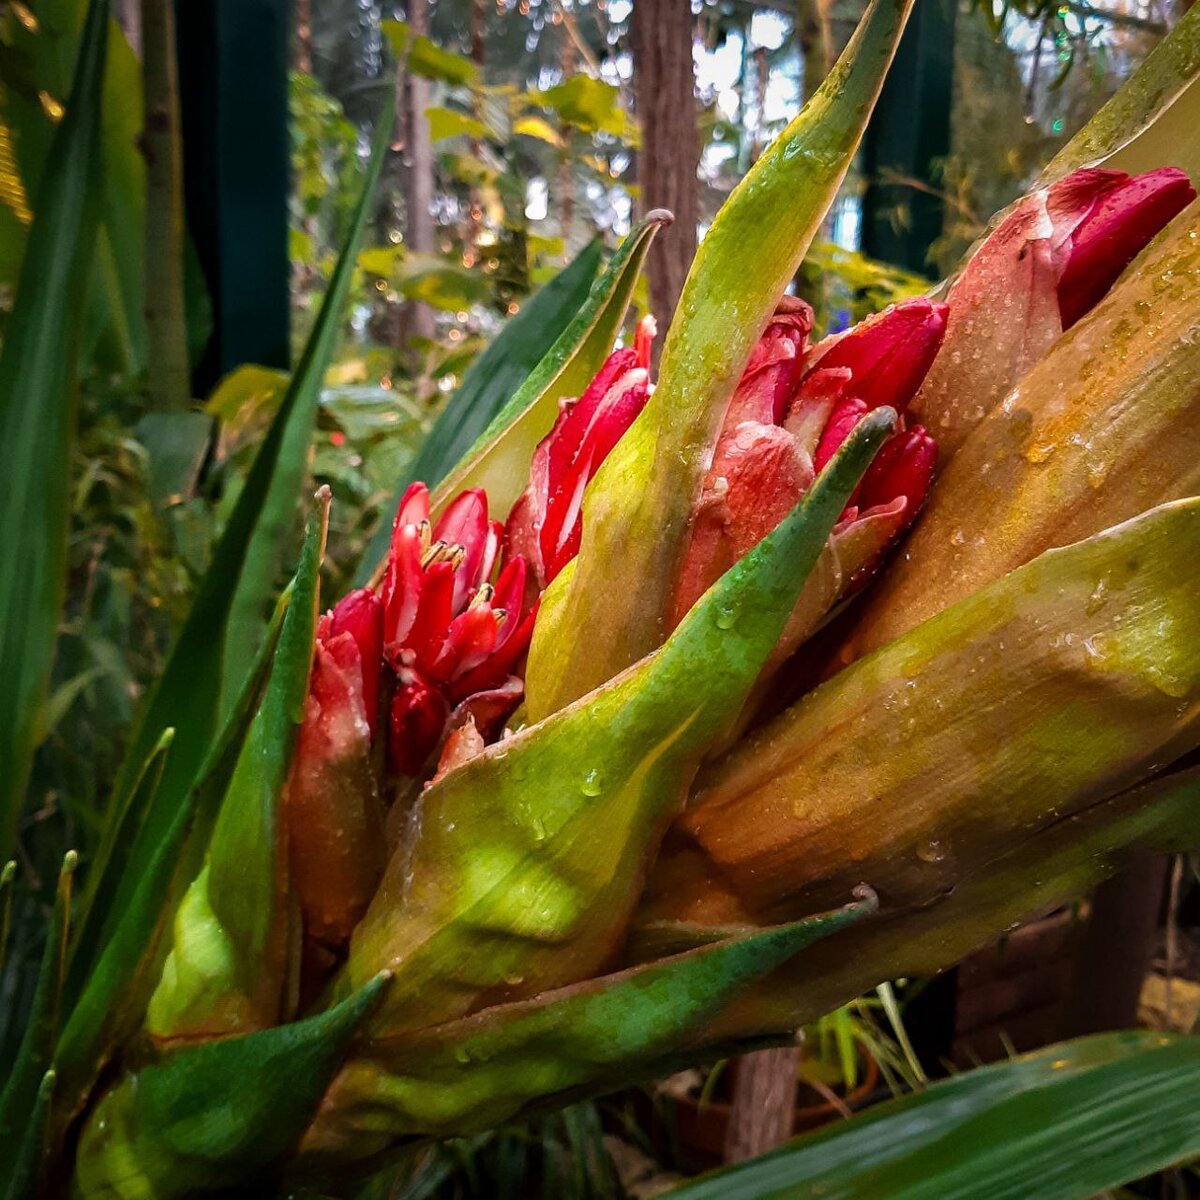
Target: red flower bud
[
  {"x": 546, "y": 522},
  {"x": 887, "y": 354},
  {"x": 415, "y": 724},
  {"x": 1122, "y": 215},
  {"x": 902, "y": 468},
  {"x": 360, "y": 614}
]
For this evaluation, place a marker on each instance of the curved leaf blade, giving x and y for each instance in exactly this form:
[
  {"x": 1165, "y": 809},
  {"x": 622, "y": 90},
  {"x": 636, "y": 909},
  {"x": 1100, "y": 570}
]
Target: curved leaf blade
[
  {"x": 38, "y": 364},
  {"x": 499, "y": 460},
  {"x": 200, "y": 676},
  {"x": 636, "y": 508},
  {"x": 218, "y": 1117},
  {"x": 1065, "y": 1123},
  {"x": 1151, "y": 121},
  {"x": 476, "y": 1073}
]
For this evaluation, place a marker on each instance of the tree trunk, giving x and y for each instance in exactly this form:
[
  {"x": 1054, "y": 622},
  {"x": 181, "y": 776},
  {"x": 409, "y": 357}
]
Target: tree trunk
[
  {"x": 166, "y": 322},
  {"x": 418, "y": 191},
  {"x": 764, "y": 1103},
  {"x": 664, "y": 92},
  {"x": 816, "y": 42}
]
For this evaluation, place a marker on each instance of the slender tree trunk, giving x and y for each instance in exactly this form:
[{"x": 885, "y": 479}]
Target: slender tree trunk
[
  {"x": 764, "y": 1103},
  {"x": 418, "y": 190},
  {"x": 816, "y": 42},
  {"x": 166, "y": 322},
  {"x": 664, "y": 91},
  {"x": 566, "y": 176}
]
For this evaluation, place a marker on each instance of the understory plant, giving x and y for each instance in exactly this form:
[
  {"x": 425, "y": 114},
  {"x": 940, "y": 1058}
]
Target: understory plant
[{"x": 681, "y": 709}]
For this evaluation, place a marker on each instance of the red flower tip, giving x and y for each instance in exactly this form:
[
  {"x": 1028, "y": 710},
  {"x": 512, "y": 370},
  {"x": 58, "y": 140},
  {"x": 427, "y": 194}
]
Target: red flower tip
[
  {"x": 1122, "y": 215},
  {"x": 889, "y": 354},
  {"x": 846, "y": 414},
  {"x": 546, "y": 522},
  {"x": 903, "y": 467},
  {"x": 360, "y": 614},
  {"x": 643, "y": 340}
]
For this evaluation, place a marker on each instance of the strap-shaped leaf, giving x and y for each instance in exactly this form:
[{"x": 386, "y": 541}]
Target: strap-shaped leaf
[
  {"x": 38, "y": 362},
  {"x": 1062, "y": 683},
  {"x": 528, "y": 858},
  {"x": 189, "y": 692},
  {"x": 491, "y": 382},
  {"x": 230, "y": 964},
  {"x": 1151, "y": 121},
  {"x": 1065, "y": 1123},
  {"x": 23, "y": 1077},
  {"x": 31, "y": 1144},
  {"x": 218, "y": 1117},
  {"x": 636, "y": 508},
  {"x": 114, "y": 980},
  {"x": 476, "y": 1073},
  {"x": 499, "y": 461}
]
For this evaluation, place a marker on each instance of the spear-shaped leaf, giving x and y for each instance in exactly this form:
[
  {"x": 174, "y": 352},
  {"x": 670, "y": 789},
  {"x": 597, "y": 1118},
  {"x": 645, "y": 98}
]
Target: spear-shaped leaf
[
  {"x": 528, "y": 858},
  {"x": 478, "y": 1072},
  {"x": 207, "y": 1120},
  {"x": 35, "y": 1054},
  {"x": 499, "y": 460},
  {"x": 38, "y": 362},
  {"x": 491, "y": 382},
  {"x": 636, "y": 508},
  {"x": 229, "y": 966},
  {"x": 26, "y": 1165}
]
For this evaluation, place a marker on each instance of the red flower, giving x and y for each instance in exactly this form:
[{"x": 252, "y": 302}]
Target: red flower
[
  {"x": 545, "y": 523},
  {"x": 791, "y": 411},
  {"x": 453, "y": 640}
]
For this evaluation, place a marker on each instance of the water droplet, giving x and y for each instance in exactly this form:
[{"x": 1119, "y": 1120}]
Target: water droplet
[
  {"x": 932, "y": 851},
  {"x": 591, "y": 785},
  {"x": 726, "y": 617},
  {"x": 1039, "y": 452}
]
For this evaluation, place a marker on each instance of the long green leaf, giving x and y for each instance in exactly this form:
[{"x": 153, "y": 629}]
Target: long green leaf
[
  {"x": 35, "y": 1054},
  {"x": 491, "y": 382},
  {"x": 476, "y": 1073},
  {"x": 47, "y": 48},
  {"x": 530, "y": 856},
  {"x": 637, "y": 508},
  {"x": 1065, "y": 1123},
  {"x": 230, "y": 963},
  {"x": 275, "y": 519},
  {"x": 27, "y": 1163},
  {"x": 218, "y": 1118},
  {"x": 37, "y": 413},
  {"x": 188, "y": 695}
]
